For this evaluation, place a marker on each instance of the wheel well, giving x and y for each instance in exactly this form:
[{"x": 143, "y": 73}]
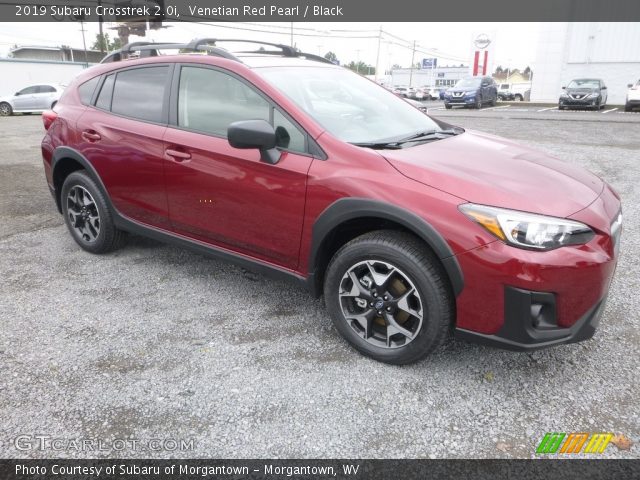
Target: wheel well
[
  {"x": 347, "y": 231},
  {"x": 63, "y": 168}
]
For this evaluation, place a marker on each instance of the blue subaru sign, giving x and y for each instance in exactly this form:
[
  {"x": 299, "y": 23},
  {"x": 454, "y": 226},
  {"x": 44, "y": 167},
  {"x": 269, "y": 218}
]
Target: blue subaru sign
[{"x": 429, "y": 62}]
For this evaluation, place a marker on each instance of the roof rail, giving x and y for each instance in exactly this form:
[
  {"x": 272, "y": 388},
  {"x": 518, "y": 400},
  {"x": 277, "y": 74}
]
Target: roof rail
[{"x": 150, "y": 49}]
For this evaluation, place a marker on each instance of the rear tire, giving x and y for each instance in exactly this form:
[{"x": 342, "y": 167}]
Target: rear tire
[
  {"x": 518, "y": 97},
  {"x": 87, "y": 215},
  {"x": 389, "y": 297},
  {"x": 5, "y": 109},
  {"x": 627, "y": 108}
]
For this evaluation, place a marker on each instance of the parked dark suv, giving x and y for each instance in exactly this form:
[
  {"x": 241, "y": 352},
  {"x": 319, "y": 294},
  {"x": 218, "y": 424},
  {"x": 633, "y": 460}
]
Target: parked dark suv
[
  {"x": 585, "y": 93},
  {"x": 472, "y": 92},
  {"x": 409, "y": 226}
]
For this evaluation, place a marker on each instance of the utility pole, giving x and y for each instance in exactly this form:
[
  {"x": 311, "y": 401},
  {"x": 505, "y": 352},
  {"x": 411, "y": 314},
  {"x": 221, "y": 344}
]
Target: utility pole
[
  {"x": 358, "y": 62},
  {"x": 291, "y": 34},
  {"x": 413, "y": 55},
  {"x": 103, "y": 40},
  {"x": 378, "y": 55},
  {"x": 84, "y": 45}
]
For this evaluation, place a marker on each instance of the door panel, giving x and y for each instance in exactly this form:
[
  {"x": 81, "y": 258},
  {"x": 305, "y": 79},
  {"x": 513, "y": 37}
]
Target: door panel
[
  {"x": 230, "y": 198},
  {"x": 128, "y": 155}
]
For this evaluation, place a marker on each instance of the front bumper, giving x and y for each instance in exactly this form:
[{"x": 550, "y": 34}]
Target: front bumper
[
  {"x": 518, "y": 334},
  {"x": 583, "y": 102},
  {"x": 524, "y": 300},
  {"x": 466, "y": 100}
]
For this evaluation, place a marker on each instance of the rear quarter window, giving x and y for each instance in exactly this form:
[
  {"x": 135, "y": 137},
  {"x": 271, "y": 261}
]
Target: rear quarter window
[
  {"x": 85, "y": 91},
  {"x": 139, "y": 93}
]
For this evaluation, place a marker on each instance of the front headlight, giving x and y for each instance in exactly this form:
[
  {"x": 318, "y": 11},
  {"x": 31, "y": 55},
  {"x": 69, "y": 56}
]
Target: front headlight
[
  {"x": 592, "y": 95},
  {"x": 564, "y": 95},
  {"x": 528, "y": 230},
  {"x": 470, "y": 94}
]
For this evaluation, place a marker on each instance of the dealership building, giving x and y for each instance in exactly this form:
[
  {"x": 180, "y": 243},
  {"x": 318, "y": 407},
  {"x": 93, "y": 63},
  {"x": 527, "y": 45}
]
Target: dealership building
[
  {"x": 436, "y": 77},
  {"x": 610, "y": 51}
]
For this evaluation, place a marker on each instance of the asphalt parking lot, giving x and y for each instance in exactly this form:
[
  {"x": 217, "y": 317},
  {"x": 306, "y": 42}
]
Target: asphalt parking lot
[{"x": 152, "y": 342}]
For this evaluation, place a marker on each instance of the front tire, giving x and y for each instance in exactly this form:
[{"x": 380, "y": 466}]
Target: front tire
[
  {"x": 389, "y": 297},
  {"x": 87, "y": 215},
  {"x": 518, "y": 97},
  {"x": 5, "y": 109},
  {"x": 447, "y": 106}
]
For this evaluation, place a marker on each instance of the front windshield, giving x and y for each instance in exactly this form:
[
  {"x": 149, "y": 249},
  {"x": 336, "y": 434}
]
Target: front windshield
[
  {"x": 349, "y": 106},
  {"x": 584, "y": 83},
  {"x": 468, "y": 82}
]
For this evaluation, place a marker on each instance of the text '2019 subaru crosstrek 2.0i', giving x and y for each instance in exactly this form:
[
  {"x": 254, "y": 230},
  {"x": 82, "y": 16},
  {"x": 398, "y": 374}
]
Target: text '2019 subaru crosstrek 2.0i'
[{"x": 284, "y": 163}]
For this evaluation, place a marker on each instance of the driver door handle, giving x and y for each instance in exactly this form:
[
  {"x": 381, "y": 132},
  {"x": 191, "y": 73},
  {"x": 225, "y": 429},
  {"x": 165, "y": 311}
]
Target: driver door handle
[{"x": 177, "y": 155}]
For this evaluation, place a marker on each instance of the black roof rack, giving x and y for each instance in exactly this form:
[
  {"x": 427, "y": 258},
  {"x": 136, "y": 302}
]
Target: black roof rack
[{"x": 150, "y": 49}]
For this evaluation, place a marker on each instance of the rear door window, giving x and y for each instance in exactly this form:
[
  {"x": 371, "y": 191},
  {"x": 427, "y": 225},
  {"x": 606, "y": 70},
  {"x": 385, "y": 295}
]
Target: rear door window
[{"x": 139, "y": 93}]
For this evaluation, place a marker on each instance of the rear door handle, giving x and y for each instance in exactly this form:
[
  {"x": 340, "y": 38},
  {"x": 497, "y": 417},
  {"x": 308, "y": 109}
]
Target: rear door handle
[
  {"x": 91, "y": 136},
  {"x": 177, "y": 155}
]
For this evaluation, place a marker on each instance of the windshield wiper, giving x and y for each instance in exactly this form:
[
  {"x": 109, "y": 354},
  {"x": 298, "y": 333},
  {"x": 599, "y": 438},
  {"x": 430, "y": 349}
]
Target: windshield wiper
[{"x": 417, "y": 137}]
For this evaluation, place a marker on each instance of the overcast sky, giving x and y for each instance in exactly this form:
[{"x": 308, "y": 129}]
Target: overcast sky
[{"x": 514, "y": 43}]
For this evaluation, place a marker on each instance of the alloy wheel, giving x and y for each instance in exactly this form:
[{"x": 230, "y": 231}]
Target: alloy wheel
[
  {"x": 381, "y": 304},
  {"x": 5, "y": 109},
  {"x": 83, "y": 213}
]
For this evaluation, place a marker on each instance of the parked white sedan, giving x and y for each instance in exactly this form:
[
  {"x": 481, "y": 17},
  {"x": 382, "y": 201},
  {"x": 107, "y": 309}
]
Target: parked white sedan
[{"x": 35, "y": 98}]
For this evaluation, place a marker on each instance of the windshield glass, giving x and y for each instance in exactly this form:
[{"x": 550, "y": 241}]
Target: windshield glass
[
  {"x": 468, "y": 82},
  {"x": 349, "y": 106},
  {"x": 584, "y": 83}
]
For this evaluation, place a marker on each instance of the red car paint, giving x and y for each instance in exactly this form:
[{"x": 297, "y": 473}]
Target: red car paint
[{"x": 229, "y": 199}]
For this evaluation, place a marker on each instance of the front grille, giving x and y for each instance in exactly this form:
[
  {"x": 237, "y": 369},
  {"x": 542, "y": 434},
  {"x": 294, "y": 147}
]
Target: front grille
[
  {"x": 457, "y": 94},
  {"x": 578, "y": 96}
]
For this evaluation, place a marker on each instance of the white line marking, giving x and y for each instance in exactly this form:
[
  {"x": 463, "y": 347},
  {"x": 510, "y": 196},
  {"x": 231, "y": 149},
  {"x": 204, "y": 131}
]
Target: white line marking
[
  {"x": 613, "y": 109},
  {"x": 496, "y": 108},
  {"x": 545, "y": 109}
]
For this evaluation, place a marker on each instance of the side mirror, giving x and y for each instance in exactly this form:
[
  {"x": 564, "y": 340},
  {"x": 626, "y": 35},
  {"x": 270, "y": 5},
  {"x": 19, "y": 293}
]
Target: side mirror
[
  {"x": 604, "y": 87},
  {"x": 629, "y": 85},
  {"x": 564, "y": 87},
  {"x": 17, "y": 94},
  {"x": 259, "y": 134}
]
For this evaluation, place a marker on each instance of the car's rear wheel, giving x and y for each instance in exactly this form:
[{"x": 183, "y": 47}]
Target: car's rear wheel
[
  {"x": 627, "y": 108},
  {"x": 518, "y": 98},
  {"x": 5, "y": 109},
  {"x": 87, "y": 215},
  {"x": 388, "y": 296}
]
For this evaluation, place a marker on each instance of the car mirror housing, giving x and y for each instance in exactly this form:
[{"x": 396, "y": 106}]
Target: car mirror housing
[
  {"x": 604, "y": 87},
  {"x": 564, "y": 87},
  {"x": 260, "y": 134},
  {"x": 629, "y": 85}
]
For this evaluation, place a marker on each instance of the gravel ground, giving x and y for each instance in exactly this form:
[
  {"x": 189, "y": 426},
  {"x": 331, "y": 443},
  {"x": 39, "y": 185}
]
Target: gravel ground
[{"x": 153, "y": 342}]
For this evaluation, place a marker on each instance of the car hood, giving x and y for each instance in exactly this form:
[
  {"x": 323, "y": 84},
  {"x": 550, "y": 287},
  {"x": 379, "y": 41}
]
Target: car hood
[
  {"x": 582, "y": 90},
  {"x": 462, "y": 89},
  {"x": 490, "y": 170}
]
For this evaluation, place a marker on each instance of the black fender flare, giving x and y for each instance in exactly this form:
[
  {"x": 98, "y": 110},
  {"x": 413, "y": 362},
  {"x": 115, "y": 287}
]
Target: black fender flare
[
  {"x": 346, "y": 209},
  {"x": 61, "y": 153}
]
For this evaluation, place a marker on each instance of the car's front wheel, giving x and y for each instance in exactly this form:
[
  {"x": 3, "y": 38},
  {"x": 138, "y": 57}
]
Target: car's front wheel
[
  {"x": 87, "y": 215},
  {"x": 447, "y": 106},
  {"x": 5, "y": 109},
  {"x": 388, "y": 296}
]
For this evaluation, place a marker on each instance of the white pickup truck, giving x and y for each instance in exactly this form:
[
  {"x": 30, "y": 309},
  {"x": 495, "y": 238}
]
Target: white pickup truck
[{"x": 633, "y": 97}]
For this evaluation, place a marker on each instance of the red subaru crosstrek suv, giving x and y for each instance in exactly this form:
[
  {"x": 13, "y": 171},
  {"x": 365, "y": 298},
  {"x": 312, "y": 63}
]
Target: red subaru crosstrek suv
[{"x": 285, "y": 163}]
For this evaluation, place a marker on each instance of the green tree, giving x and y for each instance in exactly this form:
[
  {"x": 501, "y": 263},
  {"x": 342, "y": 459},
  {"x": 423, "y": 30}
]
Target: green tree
[
  {"x": 332, "y": 57},
  {"x": 104, "y": 43},
  {"x": 361, "y": 68}
]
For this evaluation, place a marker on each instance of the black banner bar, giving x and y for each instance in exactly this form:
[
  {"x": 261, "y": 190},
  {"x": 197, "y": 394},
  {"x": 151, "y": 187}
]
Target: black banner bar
[
  {"x": 318, "y": 469},
  {"x": 319, "y": 10}
]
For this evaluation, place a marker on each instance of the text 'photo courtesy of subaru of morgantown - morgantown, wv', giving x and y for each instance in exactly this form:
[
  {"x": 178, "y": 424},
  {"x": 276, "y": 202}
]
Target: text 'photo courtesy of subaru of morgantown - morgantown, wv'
[{"x": 287, "y": 164}]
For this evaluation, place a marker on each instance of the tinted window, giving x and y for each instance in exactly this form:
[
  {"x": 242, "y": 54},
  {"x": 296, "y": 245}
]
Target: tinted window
[
  {"x": 139, "y": 93},
  {"x": 28, "y": 91},
  {"x": 209, "y": 100},
  {"x": 45, "y": 89},
  {"x": 104, "y": 98},
  {"x": 86, "y": 90},
  {"x": 287, "y": 134}
]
